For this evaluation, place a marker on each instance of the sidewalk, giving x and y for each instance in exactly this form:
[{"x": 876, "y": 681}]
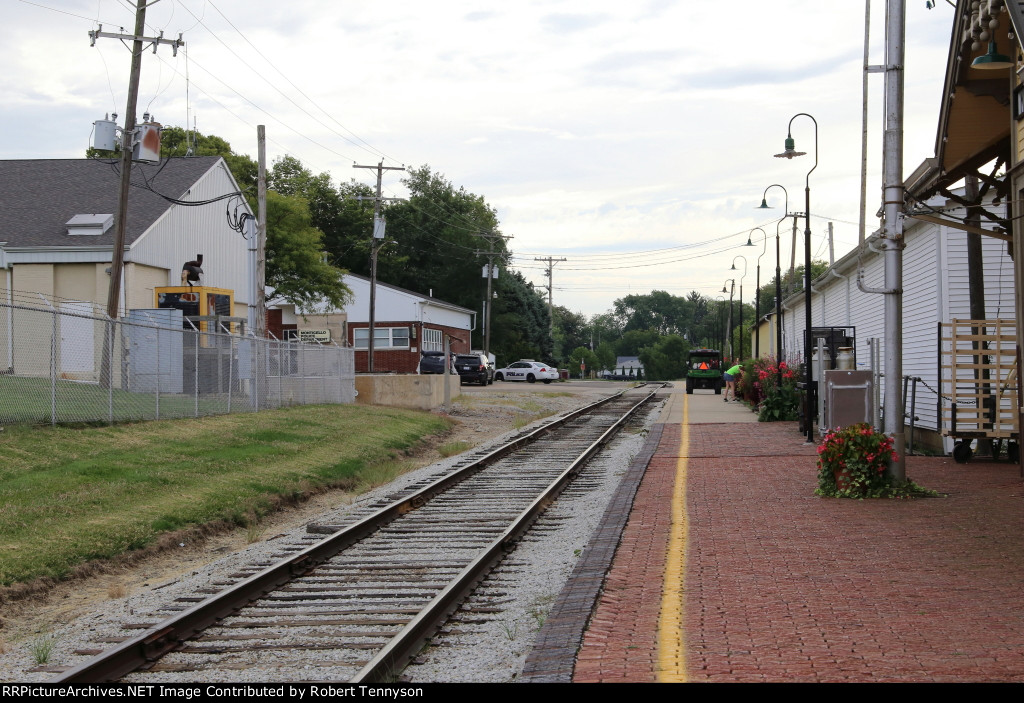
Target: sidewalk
[{"x": 760, "y": 580}]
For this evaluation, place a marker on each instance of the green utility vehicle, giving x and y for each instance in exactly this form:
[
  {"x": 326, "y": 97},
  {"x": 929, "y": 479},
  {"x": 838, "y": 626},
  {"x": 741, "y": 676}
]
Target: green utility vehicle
[{"x": 704, "y": 370}]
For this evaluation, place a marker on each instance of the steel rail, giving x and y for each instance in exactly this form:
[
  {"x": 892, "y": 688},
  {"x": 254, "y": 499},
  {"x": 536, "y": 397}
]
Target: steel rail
[
  {"x": 404, "y": 646},
  {"x": 166, "y": 636}
]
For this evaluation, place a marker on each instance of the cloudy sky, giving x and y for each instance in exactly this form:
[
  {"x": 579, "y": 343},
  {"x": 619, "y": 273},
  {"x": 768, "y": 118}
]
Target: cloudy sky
[{"x": 632, "y": 139}]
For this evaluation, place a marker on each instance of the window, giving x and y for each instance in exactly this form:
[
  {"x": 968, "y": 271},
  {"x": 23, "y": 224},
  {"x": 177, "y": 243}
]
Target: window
[
  {"x": 432, "y": 340},
  {"x": 383, "y": 337}
]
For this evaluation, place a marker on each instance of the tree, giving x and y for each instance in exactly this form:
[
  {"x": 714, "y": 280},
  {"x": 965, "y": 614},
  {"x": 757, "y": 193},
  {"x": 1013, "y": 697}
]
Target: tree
[
  {"x": 519, "y": 321},
  {"x": 175, "y": 141},
  {"x": 585, "y": 356},
  {"x": 296, "y": 268},
  {"x": 605, "y": 356},
  {"x": 633, "y": 341},
  {"x": 665, "y": 360},
  {"x": 431, "y": 242},
  {"x": 571, "y": 330}
]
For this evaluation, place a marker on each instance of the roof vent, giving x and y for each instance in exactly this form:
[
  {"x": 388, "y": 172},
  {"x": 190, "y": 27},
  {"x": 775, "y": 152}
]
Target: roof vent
[{"x": 89, "y": 224}]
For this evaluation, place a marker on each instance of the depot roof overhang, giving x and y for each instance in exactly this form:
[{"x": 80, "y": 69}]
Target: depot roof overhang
[{"x": 975, "y": 114}]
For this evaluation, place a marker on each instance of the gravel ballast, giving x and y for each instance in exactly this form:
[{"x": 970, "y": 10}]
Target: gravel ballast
[{"x": 489, "y": 648}]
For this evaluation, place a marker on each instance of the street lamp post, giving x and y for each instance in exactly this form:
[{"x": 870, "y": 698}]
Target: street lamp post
[
  {"x": 778, "y": 277},
  {"x": 733, "y": 268},
  {"x": 757, "y": 291},
  {"x": 728, "y": 326},
  {"x": 719, "y": 315},
  {"x": 789, "y": 153}
]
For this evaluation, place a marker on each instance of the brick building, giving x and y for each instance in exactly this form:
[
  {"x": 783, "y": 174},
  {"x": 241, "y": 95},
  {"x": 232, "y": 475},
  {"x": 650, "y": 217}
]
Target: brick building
[{"x": 405, "y": 323}]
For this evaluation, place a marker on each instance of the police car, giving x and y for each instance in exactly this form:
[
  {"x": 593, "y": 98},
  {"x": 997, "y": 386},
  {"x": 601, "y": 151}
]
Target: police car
[{"x": 527, "y": 370}]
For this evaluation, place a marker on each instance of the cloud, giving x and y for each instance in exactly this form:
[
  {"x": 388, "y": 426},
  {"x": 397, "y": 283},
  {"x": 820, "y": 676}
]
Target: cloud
[
  {"x": 740, "y": 77},
  {"x": 571, "y": 23},
  {"x": 480, "y": 16}
]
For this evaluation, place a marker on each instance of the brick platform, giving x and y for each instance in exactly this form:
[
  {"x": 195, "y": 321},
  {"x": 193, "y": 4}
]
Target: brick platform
[{"x": 780, "y": 585}]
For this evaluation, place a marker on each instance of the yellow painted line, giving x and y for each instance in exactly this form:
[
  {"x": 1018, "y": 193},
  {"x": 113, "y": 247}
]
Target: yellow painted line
[{"x": 671, "y": 666}]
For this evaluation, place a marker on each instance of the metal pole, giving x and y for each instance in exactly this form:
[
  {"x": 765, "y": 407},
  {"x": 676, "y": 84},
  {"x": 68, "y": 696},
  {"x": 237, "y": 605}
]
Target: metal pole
[
  {"x": 110, "y": 372},
  {"x": 864, "y": 129},
  {"x": 445, "y": 377},
  {"x": 892, "y": 233},
  {"x": 757, "y": 312},
  {"x": 913, "y": 409},
  {"x": 196, "y": 374},
  {"x": 157, "y": 396},
  {"x": 811, "y": 406},
  {"x": 261, "y": 234},
  {"x": 53, "y": 369},
  {"x": 231, "y": 368},
  {"x": 779, "y": 347},
  {"x": 790, "y": 153}
]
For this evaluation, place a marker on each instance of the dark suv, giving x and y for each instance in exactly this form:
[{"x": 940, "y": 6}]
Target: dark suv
[
  {"x": 474, "y": 367},
  {"x": 432, "y": 362}
]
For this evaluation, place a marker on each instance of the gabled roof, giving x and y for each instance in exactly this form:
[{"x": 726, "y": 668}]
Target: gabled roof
[
  {"x": 41, "y": 195},
  {"x": 425, "y": 298}
]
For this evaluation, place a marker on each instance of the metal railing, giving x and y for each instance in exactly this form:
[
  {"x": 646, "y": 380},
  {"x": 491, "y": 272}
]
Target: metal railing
[{"x": 66, "y": 365}]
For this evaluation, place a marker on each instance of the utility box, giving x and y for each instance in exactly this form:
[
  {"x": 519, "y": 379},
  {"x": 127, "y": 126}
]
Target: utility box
[
  {"x": 199, "y": 302},
  {"x": 156, "y": 358},
  {"x": 848, "y": 396}
]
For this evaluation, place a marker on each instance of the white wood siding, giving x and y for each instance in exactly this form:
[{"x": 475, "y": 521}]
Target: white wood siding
[
  {"x": 184, "y": 231},
  {"x": 935, "y": 289},
  {"x": 399, "y": 305}
]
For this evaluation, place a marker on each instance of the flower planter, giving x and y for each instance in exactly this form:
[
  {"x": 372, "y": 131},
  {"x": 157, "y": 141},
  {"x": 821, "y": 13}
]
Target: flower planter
[{"x": 842, "y": 477}]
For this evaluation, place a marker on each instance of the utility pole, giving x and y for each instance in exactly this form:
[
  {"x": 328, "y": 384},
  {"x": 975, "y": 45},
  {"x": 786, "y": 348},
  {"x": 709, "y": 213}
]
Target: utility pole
[
  {"x": 117, "y": 261},
  {"x": 260, "y": 329},
  {"x": 378, "y": 234},
  {"x": 551, "y": 261},
  {"x": 892, "y": 232},
  {"x": 490, "y": 274}
]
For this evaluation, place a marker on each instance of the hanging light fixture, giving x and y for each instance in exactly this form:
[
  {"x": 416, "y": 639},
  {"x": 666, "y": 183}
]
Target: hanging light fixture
[
  {"x": 992, "y": 60},
  {"x": 789, "y": 153}
]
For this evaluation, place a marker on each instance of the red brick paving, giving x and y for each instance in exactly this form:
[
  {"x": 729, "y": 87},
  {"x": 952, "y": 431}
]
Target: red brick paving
[{"x": 784, "y": 586}]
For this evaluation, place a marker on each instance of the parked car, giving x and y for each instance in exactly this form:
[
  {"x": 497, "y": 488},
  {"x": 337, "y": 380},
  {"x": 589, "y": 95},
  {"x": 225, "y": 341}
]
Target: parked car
[
  {"x": 474, "y": 367},
  {"x": 527, "y": 370},
  {"x": 433, "y": 362}
]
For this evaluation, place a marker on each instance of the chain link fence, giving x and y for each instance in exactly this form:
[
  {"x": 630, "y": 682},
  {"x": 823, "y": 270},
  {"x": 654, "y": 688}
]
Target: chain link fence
[{"x": 66, "y": 364}]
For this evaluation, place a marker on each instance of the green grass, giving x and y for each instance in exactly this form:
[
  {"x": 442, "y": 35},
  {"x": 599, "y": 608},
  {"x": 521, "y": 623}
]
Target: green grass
[
  {"x": 453, "y": 448},
  {"x": 28, "y": 400},
  {"x": 71, "y": 495}
]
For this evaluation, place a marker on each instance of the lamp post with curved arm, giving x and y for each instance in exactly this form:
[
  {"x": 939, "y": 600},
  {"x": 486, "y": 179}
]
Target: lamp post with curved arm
[
  {"x": 728, "y": 326},
  {"x": 757, "y": 290},
  {"x": 733, "y": 268},
  {"x": 778, "y": 277},
  {"x": 789, "y": 153},
  {"x": 719, "y": 321}
]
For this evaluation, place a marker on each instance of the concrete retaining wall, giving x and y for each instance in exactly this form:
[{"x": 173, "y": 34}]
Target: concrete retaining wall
[{"x": 419, "y": 392}]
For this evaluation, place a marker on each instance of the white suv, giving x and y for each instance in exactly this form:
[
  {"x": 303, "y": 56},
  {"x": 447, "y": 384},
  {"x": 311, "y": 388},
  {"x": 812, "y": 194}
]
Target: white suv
[{"x": 527, "y": 370}]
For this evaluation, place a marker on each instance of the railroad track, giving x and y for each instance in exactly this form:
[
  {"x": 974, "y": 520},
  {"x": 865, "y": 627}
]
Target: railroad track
[{"x": 361, "y": 599}]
